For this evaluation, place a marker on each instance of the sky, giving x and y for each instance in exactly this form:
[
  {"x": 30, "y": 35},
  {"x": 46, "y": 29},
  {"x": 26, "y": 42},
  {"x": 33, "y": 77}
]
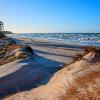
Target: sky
[{"x": 50, "y": 16}]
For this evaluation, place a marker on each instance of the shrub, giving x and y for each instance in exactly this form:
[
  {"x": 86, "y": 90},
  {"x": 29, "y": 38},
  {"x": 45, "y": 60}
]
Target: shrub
[
  {"x": 2, "y": 34},
  {"x": 92, "y": 49}
]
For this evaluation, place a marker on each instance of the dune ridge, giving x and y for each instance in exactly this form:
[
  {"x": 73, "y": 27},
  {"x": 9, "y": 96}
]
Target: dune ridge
[{"x": 78, "y": 81}]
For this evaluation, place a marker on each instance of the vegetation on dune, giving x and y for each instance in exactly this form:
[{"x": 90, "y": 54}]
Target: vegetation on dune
[
  {"x": 91, "y": 49},
  {"x": 5, "y": 56},
  {"x": 2, "y": 34},
  {"x": 7, "y": 47},
  {"x": 88, "y": 49},
  {"x": 13, "y": 52}
]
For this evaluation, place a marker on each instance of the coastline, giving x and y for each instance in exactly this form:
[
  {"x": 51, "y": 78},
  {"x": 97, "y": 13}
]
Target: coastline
[
  {"x": 53, "y": 50},
  {"x": 38, "y": 70},
  {"x": 82, "y": 39},
  {"x": 49, "y": 57}
]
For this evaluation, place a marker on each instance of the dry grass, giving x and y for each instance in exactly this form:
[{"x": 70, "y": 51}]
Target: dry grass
[
  {"x": 91, "y": 49},
  {"x": 4, "y": 53},
  {"x": 10, "y": 47},
  {"x": 2, "y": 35},
  {"x": 78, "y": 57},
  {"x": 88, "y": 49},
  {"x": 7, "y": 55},
  {"x": 8, "y": 60},
  {"x": 85, "y": 88}
]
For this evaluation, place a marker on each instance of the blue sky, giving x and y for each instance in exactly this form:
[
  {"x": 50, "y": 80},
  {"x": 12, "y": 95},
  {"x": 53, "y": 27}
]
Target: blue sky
[{"x": 50, "y": 15}]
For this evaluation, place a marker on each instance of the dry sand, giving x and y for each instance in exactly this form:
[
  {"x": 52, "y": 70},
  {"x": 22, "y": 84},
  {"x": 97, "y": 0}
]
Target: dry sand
[
  {"x": 32, "y": 72},
  {"x": 78, "y": 81}
]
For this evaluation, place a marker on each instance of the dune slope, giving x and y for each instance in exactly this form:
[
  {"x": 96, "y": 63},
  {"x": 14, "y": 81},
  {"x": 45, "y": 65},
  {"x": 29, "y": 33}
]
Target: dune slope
[{"x": 78, "y": 81}]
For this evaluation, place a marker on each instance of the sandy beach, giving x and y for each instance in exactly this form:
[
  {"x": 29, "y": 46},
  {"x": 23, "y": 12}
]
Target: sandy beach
[
  {"x": 42, "y": 66},
  {"x": 36, "y": 70},
  {"x": 50, "y": 50},
  {"x": 60, "y": 52}
]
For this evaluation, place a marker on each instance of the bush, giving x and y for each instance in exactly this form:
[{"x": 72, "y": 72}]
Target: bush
[
  {"x": 92, "y": 49},
  {"x": 2, "y": 34}
]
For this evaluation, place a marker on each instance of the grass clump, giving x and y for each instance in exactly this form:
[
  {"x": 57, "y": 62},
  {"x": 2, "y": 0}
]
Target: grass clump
[
  {"x": 2, "y": 34},
  {"x": 88, "y": 49},
  {"x": 12, "y": 52},
  {"x": 5, "y": 56}
]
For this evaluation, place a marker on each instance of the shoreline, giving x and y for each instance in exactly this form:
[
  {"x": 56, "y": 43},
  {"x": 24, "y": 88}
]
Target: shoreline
[
  {"x": 37, "y": 70},
  {"x": 63, "y": 44},
  {"x": 65, "y": 82},
  {"x": 70, "y": 38},
  {"x": 48, "y": 49},
  {"x": 49, "y": 58}
]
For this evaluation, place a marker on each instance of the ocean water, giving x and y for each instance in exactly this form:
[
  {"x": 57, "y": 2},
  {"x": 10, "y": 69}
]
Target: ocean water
[{"x": 73, "y": 38}]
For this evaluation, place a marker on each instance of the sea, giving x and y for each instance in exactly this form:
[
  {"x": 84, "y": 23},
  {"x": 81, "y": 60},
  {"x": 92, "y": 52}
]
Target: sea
[{"x": 88, "y": 39}]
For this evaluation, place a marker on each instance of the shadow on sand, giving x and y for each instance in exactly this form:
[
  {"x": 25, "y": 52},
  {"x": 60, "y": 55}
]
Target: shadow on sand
[
  {"x": 55, "y": 54},
  {"x": 49, "y": 44},
  {"x": 32, "y": 74}
]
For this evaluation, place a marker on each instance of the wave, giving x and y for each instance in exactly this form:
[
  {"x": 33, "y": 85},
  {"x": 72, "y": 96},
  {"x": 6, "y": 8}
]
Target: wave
[{"x": 78, "y": 38}]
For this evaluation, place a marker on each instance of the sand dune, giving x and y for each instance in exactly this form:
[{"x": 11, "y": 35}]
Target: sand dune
[
  {"x": 51, "y": 74},
  {"x": 78, "y": 81},
  {"x": 32, "y": 72},
  {"x": 23, "y": 75}
]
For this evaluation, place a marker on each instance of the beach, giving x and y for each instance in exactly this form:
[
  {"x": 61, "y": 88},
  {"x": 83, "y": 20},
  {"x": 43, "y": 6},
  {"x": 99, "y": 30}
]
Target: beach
[
  {"x": 50, "y": 50},
  {"x": 53, "y": 50},
  {"x": 49, "y": 57},
  {"x": 48, "y": 61}
]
